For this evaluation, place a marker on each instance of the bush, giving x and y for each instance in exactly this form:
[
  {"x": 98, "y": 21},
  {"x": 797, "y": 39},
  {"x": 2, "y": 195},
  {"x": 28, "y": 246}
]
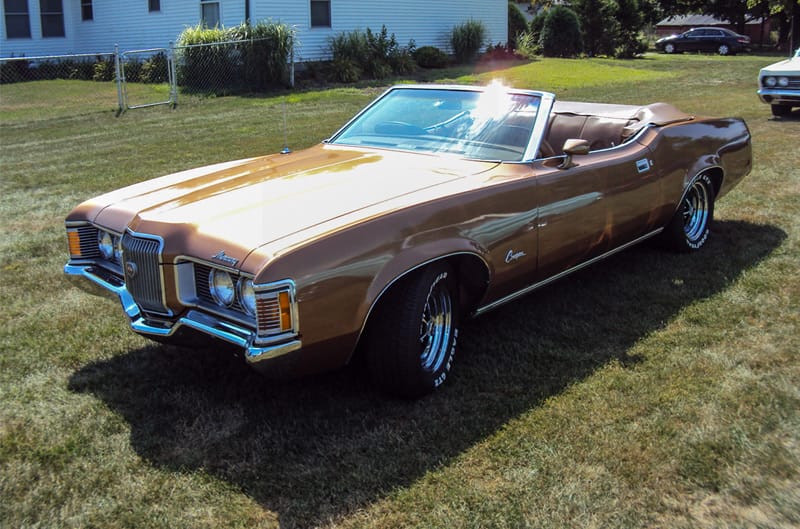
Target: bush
[
  {"x": 561, "y": 33},
  {"x": 104, "y": 71},
  {"x": 256, "y": 61},
  {"x": 516, "y": 24},
  {"x": 133, "y": 70},
  {"x": 499, "y": 52},
  {"x": 467, "y": 39},
  {"x": 375, "y": 55},
  {"x": 154, "y": 69},
  {"x": 14, "y": 71},
  {"x": 345, "y": 70},
  {"x": 265, "y": 52},
  {"x": 528, "y": 45},
  {"x": 431, "y": 57}
]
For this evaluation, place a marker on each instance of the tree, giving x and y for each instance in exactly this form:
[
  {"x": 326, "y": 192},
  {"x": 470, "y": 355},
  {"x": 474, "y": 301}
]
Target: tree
[
  {"x": 599, "y": 25},
  {"x": 561, "y": 33}
]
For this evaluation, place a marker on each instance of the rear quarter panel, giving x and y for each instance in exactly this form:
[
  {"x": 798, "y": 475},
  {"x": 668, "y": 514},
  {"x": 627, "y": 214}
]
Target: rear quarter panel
[{"x": 681, "y": 151}]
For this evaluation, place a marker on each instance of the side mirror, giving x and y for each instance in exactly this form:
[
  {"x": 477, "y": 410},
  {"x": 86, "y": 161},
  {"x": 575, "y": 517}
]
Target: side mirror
[{"x": 574, "y": 147}]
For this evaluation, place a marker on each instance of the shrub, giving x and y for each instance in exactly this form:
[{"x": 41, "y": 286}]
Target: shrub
[
  {"x": 561, "y": 33},
  {"x": 376, "y": 55},
  {"x": 527, "y": 45},
  {"x": 104, "y": 71},
  {"x": 133, "y": 70},
  {"x": 430, "y": 57},
  {"x": 467, "y": 39},
  {"x": 537, "y": 23},
  {"x": 154, "y": 69},
  {"x": 345, "y": 70},
  {"x": 265, "y": 52},
  {"x": 516, "y": 24},
  {"x": 14, "y": 71},
  {"x": 256, "y": 61},
  {"x": 499, "y": 52}
]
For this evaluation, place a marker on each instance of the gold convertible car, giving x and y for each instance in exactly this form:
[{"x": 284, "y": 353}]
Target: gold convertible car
[{"x": 435, "y": 203}]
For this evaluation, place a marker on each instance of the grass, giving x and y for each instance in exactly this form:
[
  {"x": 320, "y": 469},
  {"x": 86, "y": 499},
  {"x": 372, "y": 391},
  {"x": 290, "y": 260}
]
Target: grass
[{"x": 651, "y": 390}]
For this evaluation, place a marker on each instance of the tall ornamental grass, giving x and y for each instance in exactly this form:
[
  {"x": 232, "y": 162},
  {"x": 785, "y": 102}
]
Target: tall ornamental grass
[{"x": 244, "y": 58}]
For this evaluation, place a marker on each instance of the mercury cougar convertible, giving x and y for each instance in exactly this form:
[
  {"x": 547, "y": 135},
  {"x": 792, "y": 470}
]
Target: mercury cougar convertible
[{"x": 435, "y": 203}]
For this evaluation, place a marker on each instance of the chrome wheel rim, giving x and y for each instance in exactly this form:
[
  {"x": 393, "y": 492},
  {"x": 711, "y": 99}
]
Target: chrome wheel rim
[
  {"x": 435, "y": 329},
  {"x": 695, "y": 211}
]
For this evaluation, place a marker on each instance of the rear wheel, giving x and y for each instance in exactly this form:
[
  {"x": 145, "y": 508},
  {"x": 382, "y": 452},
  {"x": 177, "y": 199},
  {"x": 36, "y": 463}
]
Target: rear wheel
[
  {"x": 724, "y": 49},
  {"x": 781, "y": 110},
  {"x": 688, "y": 230},
  {"x": 411, "y": 341}
]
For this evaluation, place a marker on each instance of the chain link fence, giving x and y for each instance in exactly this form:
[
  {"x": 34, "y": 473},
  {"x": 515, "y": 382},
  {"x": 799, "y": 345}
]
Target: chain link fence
[{"x": 54, "y": 86}]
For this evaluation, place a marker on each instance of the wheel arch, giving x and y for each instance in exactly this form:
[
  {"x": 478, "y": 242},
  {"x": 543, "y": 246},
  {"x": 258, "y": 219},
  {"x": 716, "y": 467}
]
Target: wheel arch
[{"x": 472, "y": 271}]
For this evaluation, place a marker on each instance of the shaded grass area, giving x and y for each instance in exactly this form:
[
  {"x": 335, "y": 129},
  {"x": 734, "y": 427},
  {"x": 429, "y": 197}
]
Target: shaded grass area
[{"x": 651, "y": 390}]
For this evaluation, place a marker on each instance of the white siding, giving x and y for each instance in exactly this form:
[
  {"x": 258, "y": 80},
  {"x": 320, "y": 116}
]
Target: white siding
[
  {"x": 427, "y": 22},
  {"x": 129, "y": 24}
]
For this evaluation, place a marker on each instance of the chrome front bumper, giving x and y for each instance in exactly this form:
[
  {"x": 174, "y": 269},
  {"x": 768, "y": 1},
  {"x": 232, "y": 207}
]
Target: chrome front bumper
[
  {"x": 777, "y": 96},
  {"x": 88, "y": 278}
]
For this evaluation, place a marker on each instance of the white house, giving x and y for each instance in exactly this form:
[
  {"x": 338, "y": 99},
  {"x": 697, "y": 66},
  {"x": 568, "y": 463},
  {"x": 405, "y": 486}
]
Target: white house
[{"x": 58, "y": 27}]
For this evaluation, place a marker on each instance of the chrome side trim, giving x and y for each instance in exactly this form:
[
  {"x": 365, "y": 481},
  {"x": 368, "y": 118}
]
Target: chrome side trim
[{"x": 540, "y": 284}]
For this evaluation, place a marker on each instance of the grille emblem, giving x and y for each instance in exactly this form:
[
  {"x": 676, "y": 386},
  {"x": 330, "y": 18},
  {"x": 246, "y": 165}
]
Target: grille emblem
[{"x": 131, "y": 269}]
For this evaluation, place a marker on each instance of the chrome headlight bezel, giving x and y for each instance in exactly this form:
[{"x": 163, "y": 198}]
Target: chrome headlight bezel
[
  {"x": 770, "y": 81},
  {"x": 247, "y": 295},
  {"x": 221, "y": 287},
  {"x": 783, "y": 81},
  {"x": 106, "y": 245}
]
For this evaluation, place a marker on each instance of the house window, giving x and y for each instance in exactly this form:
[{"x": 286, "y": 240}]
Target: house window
[
  {"x": 52, "y": 14},
  {"x": 18, "y": 22},
  {"x": 86, "y": 10},
  {"x": 154, "y": 5},
  {"x": 320, "y": 13},
  {"x": 209, "y": 14}
]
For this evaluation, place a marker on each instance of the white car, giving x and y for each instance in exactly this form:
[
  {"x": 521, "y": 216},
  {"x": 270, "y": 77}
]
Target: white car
[{"x": 779, "y": 85}]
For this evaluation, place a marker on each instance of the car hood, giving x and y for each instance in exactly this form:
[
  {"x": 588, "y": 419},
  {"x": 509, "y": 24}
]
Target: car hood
[
  {"x": 238, "y": 206},
  {"x": 786, "y": 66}
]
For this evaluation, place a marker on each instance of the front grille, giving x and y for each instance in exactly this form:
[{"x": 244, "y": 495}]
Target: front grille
[
  {"x": 88, "y": 238},
  {"x": 794, "y": 83},
  {"x": 143, "y": 272}
]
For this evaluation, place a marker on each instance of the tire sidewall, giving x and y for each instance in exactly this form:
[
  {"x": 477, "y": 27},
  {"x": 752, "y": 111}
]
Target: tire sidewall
[
  {"x": 393, "y": 344},
  {"x": 676, "y": 231}
]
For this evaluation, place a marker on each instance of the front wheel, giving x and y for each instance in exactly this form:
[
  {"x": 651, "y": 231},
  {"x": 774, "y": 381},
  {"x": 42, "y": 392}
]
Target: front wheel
[
  {"x": 669, "y": 48},
  {"x": 412, "y": 340},
  {"x": 724, "y": 49},
  {"x": 689, "y": 228}
]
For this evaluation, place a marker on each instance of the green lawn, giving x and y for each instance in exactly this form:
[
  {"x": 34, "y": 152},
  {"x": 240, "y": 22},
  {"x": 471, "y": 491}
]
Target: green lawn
[{"x": 650, "y": 390}]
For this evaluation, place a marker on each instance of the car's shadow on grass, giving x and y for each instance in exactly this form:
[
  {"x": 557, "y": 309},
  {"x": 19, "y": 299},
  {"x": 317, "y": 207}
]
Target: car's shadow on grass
[{"x": 320, "y": 448}]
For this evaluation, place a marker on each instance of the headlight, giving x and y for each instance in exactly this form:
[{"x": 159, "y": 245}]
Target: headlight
[
  {"x": 220, "y": 284},
  {"x": 770, "y": 81},
  {"x": 783, "y": 82},
  {"x": 247, "y": 296},
  {"x": 105, "y": 243}
]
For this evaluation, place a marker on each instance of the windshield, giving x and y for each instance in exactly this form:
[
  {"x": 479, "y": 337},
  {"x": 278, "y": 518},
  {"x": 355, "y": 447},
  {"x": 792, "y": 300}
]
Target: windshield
[{"x": 492, "y": 124}]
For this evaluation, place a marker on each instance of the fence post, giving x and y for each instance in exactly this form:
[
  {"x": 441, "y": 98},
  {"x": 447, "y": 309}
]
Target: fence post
[
  {"x": 172, "y": 75},
  {"x": 291, "y": 59},
  {"x": 120, "y": 80}
]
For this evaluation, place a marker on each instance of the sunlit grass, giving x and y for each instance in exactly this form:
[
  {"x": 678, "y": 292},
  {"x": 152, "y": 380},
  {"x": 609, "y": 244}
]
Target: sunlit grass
[{"x": 651, "y": 390}]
